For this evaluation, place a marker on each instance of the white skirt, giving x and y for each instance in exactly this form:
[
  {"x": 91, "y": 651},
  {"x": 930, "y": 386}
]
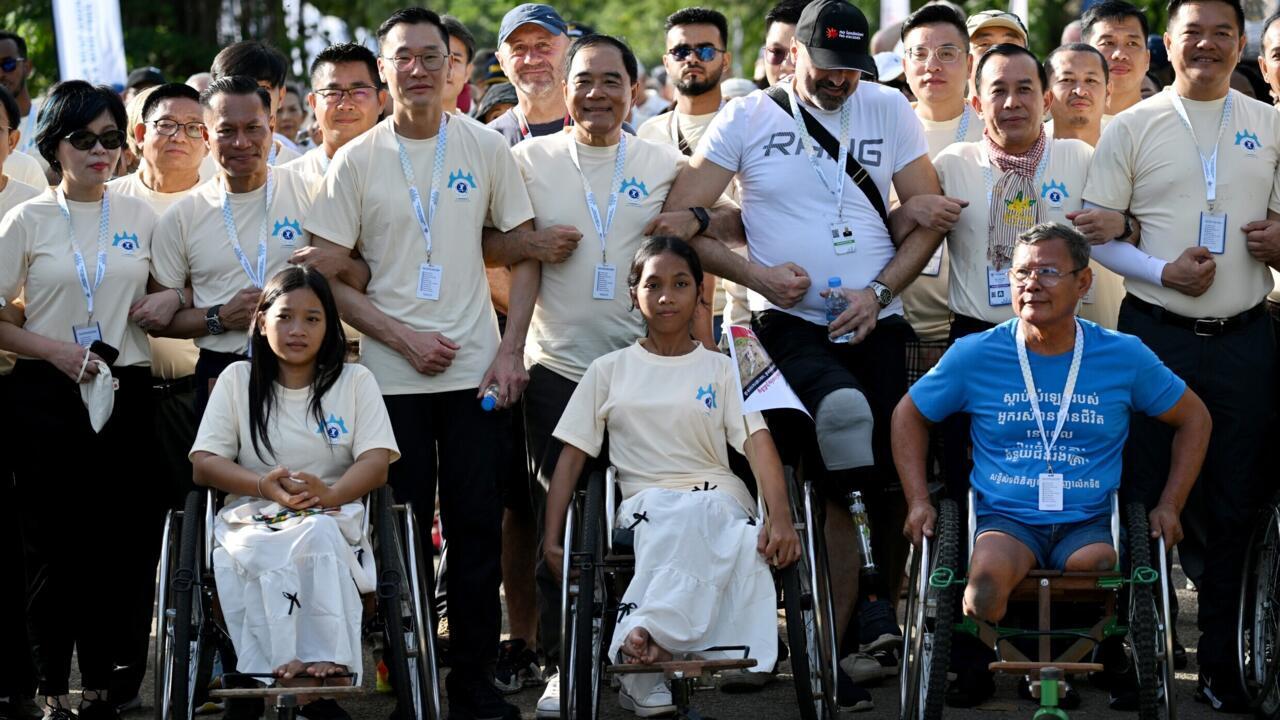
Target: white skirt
[
  {"x": 699, "y": 581},
  {"x": 291, "y": 589}
]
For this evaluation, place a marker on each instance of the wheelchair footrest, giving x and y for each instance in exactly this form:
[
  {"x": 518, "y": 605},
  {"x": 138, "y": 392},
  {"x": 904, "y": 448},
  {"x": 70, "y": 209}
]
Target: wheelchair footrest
[
  {"x": 276, "y": 691},
  {"x": 685, "y": 668},
  {"x": 1025, "y": 667}
]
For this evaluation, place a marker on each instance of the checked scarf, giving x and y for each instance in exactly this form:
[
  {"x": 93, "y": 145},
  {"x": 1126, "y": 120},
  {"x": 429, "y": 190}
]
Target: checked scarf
[{"x": 1014, "y": 206}]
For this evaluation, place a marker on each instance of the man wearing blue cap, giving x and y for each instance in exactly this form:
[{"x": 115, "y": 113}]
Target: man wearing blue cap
[{"x": 532, "y": 41}]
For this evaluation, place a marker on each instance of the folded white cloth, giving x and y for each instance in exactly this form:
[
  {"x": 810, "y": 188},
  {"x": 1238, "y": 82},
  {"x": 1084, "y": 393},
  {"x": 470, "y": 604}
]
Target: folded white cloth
[{"x": 99, "y": 395}]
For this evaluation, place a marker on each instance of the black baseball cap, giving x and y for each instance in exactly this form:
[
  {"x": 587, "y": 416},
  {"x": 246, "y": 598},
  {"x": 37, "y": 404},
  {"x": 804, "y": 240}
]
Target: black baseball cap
[
  {"x": 144, "y": 76},
  {"x": 837, "y": 36}
]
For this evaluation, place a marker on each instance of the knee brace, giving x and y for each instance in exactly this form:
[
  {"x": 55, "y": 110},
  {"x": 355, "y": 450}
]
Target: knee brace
[{"x": 844, "y": 425}]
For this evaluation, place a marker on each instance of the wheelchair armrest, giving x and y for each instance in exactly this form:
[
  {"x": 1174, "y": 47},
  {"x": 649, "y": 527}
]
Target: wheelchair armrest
[{"x": 610, "y": 507}]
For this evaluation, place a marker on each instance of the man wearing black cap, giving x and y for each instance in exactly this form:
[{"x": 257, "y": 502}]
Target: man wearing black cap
[
  {"x": 140, "y": 79},
  {"x": 532, "y": 41},
  {"x": 808, "y": 219}
]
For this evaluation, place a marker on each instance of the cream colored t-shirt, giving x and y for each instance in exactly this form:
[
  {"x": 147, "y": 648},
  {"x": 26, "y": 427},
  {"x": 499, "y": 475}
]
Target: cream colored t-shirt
[
  {"x": 311, "y": 165},
  {"x": 365, "y": 204},
  {"x": 36, "y": 259},
  {"x": 960, "y": 169},
  {"x": 1106, "y": 120},
  {"x": 669, "y": 127},
  {"x": 192, "y": 247},
  {"x": 671, "y": 420},
  {"x": 355, "y": 422},
  {"x": 133, "y": 186},
  {"x": 25, "y": 169},
  {"x": 570, "y": 328},
  {"x": 1147, "y": 164},
  {"x": 13, "y": 194}
]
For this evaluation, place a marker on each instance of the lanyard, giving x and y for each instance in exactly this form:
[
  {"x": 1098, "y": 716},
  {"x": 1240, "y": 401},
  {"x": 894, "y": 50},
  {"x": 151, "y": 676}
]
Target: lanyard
[
  {"x": 271, "y": 154},
  {"x": 1032, "y": 397},
  {"x": 82, "y": 273},
  {"x": 806, "y": 143},
  {"x": 615, "y": 187},
  {"x": 524, "y": 123},
  {"x": 989, "y": 178},
  {"x": 437, "y": 168},
  {"x": 1208, "y": 165},
  {"x": 963, "y": 130},
  {"x": 677, "y": 137},
  {"x": 229, "y": 220}
]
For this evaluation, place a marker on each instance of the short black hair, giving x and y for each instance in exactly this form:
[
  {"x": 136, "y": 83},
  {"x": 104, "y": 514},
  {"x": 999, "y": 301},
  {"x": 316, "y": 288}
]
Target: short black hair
[
  {"x": 253, "y": 58},
  {"x": 235, "y": 85},
  {"x": 1266, "y": 24},
  {"x": 17, "y": 40},
  {"x": 657, "y": 245},
  {"x": 167, "y": 91},
  {"x": 12, "y": 115},
  {"x": 71, "y": 106},
  {"x": 786, "y": 12},
  {"x": 1175, "y": 5},
  {"x": 936, "y": 14},
  {"x": 346, "y": 53},
  {"x": 1113, "y": 10},
  {"x": 700, "y": 16},
  {"x": 458, "y": 30},
  {"x": 586, "y": 41},
  {"x": 1077, "y": 47},
  {"x": 1009, "y": 50},
  {"x": 412, "y": 16}
]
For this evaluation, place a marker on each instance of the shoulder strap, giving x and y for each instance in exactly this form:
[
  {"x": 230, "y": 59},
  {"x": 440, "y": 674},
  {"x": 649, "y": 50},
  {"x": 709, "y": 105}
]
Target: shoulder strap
[{"x": 827, "y": 141}]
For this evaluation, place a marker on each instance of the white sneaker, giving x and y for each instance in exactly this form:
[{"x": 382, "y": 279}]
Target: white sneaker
[
  {"x": 656, "y": 704},
  {"x": 549, "y": 704},
  {"x": 862, "y": 668}
]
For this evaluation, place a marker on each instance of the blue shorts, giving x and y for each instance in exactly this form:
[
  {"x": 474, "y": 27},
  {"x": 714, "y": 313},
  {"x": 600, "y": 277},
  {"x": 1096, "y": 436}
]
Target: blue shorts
[{"x": 1051, "y": 544}]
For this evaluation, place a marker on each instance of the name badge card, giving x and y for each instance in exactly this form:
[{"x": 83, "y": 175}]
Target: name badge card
[
  {"x": 429, "y": 281},
  {"x": 998, "y": 290},
  {"x": 1213, "y": 232},
  {"x": 87, "y": 334},
  {"x": 842, "y": 238},
  {"x": 934, "y": 266},
  {"x": 606, "y": 281},
  {"x": 1050, "y": 492}
]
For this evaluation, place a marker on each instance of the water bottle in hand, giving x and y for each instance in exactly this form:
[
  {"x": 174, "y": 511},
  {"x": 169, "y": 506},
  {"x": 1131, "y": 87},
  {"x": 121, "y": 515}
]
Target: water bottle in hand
[
  {"x": 489, "y": 400},
  {"x": 836, "y": 305}
]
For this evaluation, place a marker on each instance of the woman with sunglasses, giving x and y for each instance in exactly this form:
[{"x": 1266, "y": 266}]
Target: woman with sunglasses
[{"x": 79, "y": 255}]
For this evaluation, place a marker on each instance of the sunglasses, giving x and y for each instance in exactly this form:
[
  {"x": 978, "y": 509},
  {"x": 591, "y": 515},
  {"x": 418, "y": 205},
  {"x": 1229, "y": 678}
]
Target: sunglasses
[
  {"x": 10, "y": 64},
  {"x": 705, "y": 53},
  {"x": 775, "y": 56},
  {"x": 85, "y": 140}
]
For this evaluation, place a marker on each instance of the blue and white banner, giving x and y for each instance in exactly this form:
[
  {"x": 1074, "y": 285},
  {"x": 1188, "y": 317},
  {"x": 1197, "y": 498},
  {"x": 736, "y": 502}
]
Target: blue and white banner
[{"x": 90, "y": 41}]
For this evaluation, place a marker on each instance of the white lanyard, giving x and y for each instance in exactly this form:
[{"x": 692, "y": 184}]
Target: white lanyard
[
  {"x": 271, "y": 154},
  {"x": 1064, "y": 404},
  {"x": 82, "y": 273},
  {"x": 990, "y": 181},
  {"x": 615, "y": 187},
  {"x": 229, "y": 220},
  {"x": 962, "y": 131},
  {"x": 415, "y": 198},
  {"x": 806, "y": 144},
  {"x": 1208, "y": 165}
]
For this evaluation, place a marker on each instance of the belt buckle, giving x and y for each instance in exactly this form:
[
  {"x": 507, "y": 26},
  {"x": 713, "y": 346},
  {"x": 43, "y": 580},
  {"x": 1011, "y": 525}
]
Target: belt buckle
[{"x": 1209, "y": 327}]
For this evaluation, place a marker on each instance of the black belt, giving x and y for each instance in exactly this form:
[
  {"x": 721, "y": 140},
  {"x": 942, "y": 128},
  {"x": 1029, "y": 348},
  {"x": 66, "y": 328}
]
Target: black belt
[
  {"x": 1204, "y": 327},
  {"x": 174, "y": 387}
]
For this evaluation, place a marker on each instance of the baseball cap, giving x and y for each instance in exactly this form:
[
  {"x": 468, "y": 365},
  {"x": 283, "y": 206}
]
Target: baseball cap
[
  {"x": 147, "y": 76},
  {"x": 888, "y": 66},
  {"x": 544, "y": 16},
  {"x": 996, "y": 18},
  {"x": 836, "y": 35}
]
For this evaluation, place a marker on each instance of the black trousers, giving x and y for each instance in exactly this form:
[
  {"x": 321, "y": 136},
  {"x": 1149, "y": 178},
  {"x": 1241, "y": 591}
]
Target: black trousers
[
  {"x": 446, "y": 438},
  {"x": 17, "y": 672},
  {"x": 209, "y": 366},
  {"x": 1234, "y": 375},
  {"x": 90, "y": 521},
  {"x": 957, "y": 447}
]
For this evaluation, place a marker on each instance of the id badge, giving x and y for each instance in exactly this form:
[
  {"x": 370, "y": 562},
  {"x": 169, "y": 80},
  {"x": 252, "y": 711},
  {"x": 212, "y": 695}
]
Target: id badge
[
  {"x": 429, "y": 281},
  {"x": 934, "y": 266},
  {"x": 1050, "y": 492},
  {"x": 1213, "y": 232},
  {"x": 606, "y": 281},
  {"x": 842, "y": 238},
  {"x": 87, "y": 334},
  {"x": 998, "y": 290}
]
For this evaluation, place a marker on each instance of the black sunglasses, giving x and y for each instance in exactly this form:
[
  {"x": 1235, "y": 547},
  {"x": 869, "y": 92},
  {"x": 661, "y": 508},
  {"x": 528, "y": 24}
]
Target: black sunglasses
[
  {"x": 85, "y": 140},
  {"x": 705, "y": 53},
  {"x": 10, "y": 64}
]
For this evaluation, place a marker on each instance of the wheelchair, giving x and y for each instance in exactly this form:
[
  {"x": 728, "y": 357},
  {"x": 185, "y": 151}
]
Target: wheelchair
[
  {"x": 1135, "y": 605},
  {"x": 1259, "y": 615},
  {"x": 598, "y": 563},
  {"x": 190, "y": 631}
]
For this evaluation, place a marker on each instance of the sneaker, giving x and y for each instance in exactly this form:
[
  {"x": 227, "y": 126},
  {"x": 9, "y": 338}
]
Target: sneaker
[
  {"x": 548, "y": 707},
  {"x": 850, "y": 697},
  {"x": 1220, "y": 689},
  {"x": 888, "y": 659},
  {"x": 517, "y": 667},
  {"x": 323, "y": 710},
  {"x": 742, "y": 681},
  {"x": 59, "y": 713},
  {"x": 877, "y": 626},
  {"x": 656, "y": 704},
  {"x": 442, "y": 641},
  {"x": 473, "y": 697},
  {"x": 98, "y": 710},
  {"x": 861, "y": 668}
]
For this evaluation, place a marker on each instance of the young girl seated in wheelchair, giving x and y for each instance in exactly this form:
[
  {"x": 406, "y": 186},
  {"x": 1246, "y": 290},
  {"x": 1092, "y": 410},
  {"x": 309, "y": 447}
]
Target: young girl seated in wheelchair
[
  {"x": 295, "y": 437},
  {"x": 672, "y": 409}
]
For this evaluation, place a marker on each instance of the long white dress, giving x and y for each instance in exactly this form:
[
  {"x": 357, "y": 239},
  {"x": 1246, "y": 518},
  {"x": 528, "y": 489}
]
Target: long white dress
[{"x": 289, "y": 584}]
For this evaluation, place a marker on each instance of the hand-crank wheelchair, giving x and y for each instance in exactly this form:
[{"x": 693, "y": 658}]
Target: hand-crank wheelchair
[
  {"x": 190, "y": 631},
  {"x": 598, "y": 562},
  {"x": 1135, "y": 605},
  {"x": 1259, "y": 619}
]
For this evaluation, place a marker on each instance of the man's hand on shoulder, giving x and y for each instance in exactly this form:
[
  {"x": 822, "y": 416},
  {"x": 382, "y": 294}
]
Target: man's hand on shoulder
[
  {"x": 783, "y": 285},
  {"x": 1192, "y": 273}
]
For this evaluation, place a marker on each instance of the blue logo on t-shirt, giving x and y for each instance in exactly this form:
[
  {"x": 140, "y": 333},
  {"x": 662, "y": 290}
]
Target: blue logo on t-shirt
[
  {"x": 707, "y": 396},
  {"x": 288, "y": 231},
  {"x": 1248, "y": 141},
  {"x": 333, "y": 428},
  {"x": 634, "y": 190},
  {"x": 462, "y": 184},
  {"x": 126, "y": 241},
  {"x": 1054, "y": 193}
]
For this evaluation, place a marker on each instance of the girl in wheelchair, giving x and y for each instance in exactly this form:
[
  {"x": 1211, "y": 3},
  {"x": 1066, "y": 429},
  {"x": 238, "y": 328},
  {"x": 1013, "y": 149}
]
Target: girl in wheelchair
[
  {"x": 295, "y": 437},
  {"x": 671, "y": 409}
]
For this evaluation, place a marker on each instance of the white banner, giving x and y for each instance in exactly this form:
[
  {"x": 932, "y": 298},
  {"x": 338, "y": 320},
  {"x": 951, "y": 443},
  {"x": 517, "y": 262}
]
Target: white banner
[
  {"x": 893, "y": 11},
  {"x": 1019, "y": 8},
  {"x": 90, "y": 41}
]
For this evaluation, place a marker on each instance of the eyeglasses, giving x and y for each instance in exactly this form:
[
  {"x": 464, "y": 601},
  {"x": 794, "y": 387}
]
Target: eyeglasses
[
  {"x": 945, "y": 54},
  {"x": 776, "y": 56},
  {"x": 359, "y": 93},
  {"x": 10, "y": 64},
  {"x": 705, "y": 53},
  {"x": 406, "y": 61},
  {"x": 85, "y": 140},
  {"x": 170, "y": 128},
  {"x": 1048, "y": 276}
]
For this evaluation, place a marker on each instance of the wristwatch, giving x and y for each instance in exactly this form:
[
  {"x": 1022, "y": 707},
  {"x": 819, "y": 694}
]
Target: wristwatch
[
  {"x": 212, "y": 322},
  {"x": 704, "y": 219},
  {"x": 1128, "y": 227},
  {"x": 884, "y": 295}
]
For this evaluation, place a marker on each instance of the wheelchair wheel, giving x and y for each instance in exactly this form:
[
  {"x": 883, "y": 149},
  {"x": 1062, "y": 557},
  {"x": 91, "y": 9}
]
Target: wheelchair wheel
[
  {"x": 588, "y": 625},
  {"x": 184, "y": 640},
  {"x": 806, "y": 597},
  {"x": 403, "y": 591},
  {"x": 930, "y": 618},
  {"x": 1259, "y": 634},
  {"x": 1149, "y": 638}
]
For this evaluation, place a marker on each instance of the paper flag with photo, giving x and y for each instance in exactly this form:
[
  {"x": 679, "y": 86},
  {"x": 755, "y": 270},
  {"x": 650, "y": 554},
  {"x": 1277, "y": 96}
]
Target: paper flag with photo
[{"x": 763, "y": 387}]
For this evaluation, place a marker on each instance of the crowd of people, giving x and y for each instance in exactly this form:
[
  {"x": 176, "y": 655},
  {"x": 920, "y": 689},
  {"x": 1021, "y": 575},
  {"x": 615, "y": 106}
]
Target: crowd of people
[{"x": 476, "y": 275}]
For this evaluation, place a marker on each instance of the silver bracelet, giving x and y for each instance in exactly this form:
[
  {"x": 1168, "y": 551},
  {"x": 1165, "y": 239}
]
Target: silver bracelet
[
  {"x": 260, "y": 479},
  {"x": 182, "y": 299}
]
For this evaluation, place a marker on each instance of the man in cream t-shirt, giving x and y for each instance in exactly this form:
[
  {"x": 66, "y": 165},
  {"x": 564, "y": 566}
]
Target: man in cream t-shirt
[
  {"x": 269, "y": 68},
  {"x": 1079, "y": 83},
  {"x": 1203, "y": 189}
]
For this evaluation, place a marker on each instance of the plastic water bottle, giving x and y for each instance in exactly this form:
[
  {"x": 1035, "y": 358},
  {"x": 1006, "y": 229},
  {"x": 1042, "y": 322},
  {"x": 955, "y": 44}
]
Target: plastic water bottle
[
  {"x": 862, "y": 528},
  {"x": 489, "y": 400},
  {"x": 836, "y": 305}
]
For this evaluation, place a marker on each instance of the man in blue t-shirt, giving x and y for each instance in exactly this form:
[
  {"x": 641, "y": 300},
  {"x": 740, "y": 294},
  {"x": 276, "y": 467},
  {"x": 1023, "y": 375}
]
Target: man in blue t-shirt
[{"x": 1042, "y": 484}]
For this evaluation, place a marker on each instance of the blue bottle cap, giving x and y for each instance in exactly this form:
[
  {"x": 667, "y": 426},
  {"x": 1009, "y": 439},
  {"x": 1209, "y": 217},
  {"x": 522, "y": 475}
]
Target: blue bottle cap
[
  {"x": 833, "y": 282},
  {"x": 488, "y": 402}
]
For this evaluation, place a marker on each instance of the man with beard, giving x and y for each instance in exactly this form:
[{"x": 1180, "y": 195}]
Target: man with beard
[
  {"x": 532, "y": 41},
  {"x": 1079, "y": 82},
  {"x": 696, "y": 58}
]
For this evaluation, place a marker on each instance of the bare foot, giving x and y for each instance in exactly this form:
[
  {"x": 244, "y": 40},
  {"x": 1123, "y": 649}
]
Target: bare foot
[
  {"x": 290, "y": 670},
  {"x": 324, "y": 670},
  {"x": 640, "y": 649}
]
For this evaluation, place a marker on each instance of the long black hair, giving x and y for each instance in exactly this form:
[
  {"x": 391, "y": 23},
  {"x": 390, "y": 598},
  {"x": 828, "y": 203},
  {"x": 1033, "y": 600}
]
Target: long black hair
[{"x": 265, "y": 366}]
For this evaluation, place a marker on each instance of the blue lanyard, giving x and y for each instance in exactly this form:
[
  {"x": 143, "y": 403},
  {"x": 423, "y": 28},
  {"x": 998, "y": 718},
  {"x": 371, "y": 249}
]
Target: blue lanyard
[{"x": 415, "y": 198}]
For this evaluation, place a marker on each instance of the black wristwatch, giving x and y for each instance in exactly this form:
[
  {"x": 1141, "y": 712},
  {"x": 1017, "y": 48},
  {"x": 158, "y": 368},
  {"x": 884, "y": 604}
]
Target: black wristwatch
[
  {"x": 704, "y": 219},
  {"x": 884, "y": 295},
  {"x": 211, "y": 321},
  {"x": 1128, "y": 227}
]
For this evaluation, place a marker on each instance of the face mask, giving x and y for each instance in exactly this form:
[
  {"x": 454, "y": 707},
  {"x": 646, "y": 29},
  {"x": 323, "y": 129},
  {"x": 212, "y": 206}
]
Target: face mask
[{"x": 99, "y": 395}]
